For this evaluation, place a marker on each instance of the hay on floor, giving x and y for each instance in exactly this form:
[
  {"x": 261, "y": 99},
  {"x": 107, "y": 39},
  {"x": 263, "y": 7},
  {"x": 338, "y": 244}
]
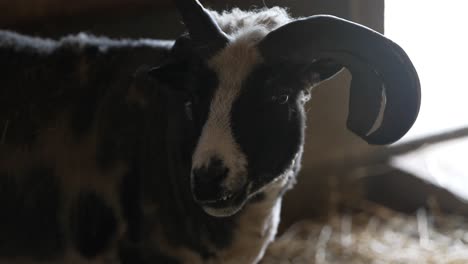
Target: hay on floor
[{"x": 374, "y": 235}]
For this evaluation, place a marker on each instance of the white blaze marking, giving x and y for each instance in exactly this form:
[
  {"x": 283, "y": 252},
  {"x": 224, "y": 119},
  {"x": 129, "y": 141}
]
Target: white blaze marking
[{"x": 232, "y": 65}]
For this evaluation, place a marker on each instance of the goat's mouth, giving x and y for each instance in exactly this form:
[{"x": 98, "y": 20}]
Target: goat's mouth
[{"x": 228, "y": 205}]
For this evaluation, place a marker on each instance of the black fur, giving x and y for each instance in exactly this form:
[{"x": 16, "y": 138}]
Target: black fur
[
  {"x": 93, "y": 224},
  {"x": 85, "y": 81},
  {"x": 268, "y": 121},
  {"x": 134, "y": 254},
  {"x": 30, "y": 207},
  {"x": 131, "y": 202},
  {"x": 207, "y": 181}
]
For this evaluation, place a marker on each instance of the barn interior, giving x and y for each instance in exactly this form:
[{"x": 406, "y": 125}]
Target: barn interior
[{"x": 352, "y": 203}]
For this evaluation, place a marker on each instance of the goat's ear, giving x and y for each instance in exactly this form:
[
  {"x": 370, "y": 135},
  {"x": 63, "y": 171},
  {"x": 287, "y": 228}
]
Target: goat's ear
[
  {"x": 171, "y": 74},
  {"x": 183, "y": 48}
]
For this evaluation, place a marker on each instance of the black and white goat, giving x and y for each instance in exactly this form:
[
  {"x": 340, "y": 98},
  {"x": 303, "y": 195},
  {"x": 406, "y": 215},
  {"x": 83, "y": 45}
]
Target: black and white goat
[{"x": 105, "y": 160}]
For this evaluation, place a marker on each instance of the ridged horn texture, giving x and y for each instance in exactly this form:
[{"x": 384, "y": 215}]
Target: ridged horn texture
[
  {"x": 204, "y": 31},
  {"x": 380, "y": 70}
]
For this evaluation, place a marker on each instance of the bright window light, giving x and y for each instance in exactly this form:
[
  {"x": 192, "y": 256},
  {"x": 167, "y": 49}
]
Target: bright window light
[{"x": 435, "y": 36}]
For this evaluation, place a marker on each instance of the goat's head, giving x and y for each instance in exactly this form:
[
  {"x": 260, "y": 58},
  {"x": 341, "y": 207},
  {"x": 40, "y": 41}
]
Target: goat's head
[{"x": 247, "y": 95}]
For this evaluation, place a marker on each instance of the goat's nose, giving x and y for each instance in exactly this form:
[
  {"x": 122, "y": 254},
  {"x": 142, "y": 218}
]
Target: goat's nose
[{"x": 207, "y": 181}]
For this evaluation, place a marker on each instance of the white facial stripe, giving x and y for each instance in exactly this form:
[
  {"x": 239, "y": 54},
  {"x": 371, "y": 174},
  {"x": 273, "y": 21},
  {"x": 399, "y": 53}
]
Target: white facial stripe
[{"x": 232, "y": 65}]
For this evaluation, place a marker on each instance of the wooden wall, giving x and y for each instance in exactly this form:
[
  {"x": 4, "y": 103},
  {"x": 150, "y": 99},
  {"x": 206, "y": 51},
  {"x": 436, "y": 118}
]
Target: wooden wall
[
  {"x": 130, "y": 18},
  {"x": 30, "y": 11}
]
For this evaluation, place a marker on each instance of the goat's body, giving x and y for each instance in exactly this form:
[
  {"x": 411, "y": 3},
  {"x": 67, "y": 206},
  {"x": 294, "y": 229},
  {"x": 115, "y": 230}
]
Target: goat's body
[
  {"x": 95, "y": 162},
  {"x": 70, "y": 130}
]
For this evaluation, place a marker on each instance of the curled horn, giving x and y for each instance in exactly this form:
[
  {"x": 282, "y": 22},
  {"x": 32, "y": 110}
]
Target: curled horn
[
  {"x": 382, "y": 73},
  {"x": 203, "y": 30}
]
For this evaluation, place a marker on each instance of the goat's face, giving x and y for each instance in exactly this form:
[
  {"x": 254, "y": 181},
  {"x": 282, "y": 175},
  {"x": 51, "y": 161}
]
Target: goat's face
[
  {"x": 250, "y": 120},
  {"x": 252, "y": 125}
]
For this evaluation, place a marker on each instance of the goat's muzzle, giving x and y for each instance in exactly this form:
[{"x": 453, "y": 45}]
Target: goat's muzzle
[{"x": 212, "y": 191}]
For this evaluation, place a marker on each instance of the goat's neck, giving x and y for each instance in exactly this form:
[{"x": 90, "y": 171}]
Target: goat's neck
[{"x": 257, "y": 226}]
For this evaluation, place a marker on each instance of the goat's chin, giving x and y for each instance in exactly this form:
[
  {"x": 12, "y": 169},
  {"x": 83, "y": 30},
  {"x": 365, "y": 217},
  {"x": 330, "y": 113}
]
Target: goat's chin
[
  {"x": 223, "y": 212},
  {"x": 229, "y": 207}
]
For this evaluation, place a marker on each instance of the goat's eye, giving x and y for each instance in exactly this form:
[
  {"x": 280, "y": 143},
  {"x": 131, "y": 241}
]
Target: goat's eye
[
  {"x": 188, "y": 110},
  {"x": 281, "y": 99}
]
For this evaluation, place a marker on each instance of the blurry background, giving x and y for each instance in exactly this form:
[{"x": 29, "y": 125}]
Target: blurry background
[{"x": 339, "y": 170}]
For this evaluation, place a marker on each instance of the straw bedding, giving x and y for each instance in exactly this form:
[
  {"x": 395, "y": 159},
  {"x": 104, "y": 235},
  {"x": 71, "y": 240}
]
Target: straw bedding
[{"x": 375, "y": 234}]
